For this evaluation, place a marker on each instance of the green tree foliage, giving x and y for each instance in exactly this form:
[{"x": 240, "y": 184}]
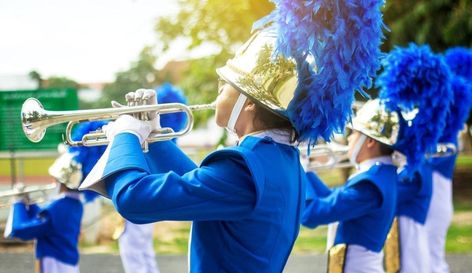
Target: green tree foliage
[
  {"x": 141, "y": 74},
  {"x": 60, "y": 82},
  {"x": 221, "y": 23},
  {"x": 200, "y": 84},
  {"x": 36, "y": 76},
  {"x": 439, "y": 23}
]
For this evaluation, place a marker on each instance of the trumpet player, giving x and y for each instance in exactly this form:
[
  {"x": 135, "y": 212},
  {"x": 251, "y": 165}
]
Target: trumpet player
[
  {"x": 136, "y": 241},
  {"x": 56, "y": 226},
  {"x": 365, "y": 205},
  {"x": 245, "y": 201}
]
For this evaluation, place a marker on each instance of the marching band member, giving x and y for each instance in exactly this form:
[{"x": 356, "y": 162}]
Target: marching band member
[
  {"x": 56, "y": 227},
  {"x": 441, "y": 209},
  {"x": 365, "y": 204},
  {"x": 136, "y": 241},
  {"x": 246, "y": 201},
  {"x": 415, "y": 83}
]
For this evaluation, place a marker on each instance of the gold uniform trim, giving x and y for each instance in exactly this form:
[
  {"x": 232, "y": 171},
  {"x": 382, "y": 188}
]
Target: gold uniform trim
[
  {"x": 392, "y": 249},
  {"x": 337, "y": 258}
]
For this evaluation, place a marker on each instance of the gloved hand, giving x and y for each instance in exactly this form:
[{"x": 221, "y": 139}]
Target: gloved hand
[
  {"x": 128, "y": 124},
  {"x": 142, "y": 97}
]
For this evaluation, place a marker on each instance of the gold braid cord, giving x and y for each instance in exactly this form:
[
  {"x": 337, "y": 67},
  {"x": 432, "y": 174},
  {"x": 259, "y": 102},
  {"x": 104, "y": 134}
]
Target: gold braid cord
[
  {"x": 392, "y": 249},
  {"x": 337, "y": 258}
]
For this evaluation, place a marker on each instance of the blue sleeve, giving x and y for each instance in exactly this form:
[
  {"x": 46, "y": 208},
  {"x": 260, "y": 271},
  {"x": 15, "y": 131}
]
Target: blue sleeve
[
  {"x": 342, "y": 204},
  {"x": 317, "y": 185},
  {"x": 165, "y": 156},
  {"x": 28, "y": 223},
  {"x": 221, "y": 190}
]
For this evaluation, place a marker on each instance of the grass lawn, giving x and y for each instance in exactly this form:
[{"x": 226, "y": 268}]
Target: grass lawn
[{"x": 464, "y": 161}]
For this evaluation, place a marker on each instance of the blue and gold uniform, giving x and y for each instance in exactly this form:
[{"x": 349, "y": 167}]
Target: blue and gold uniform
[
  {"x": 364, "y": 207},
  {"x": 441, "y": 209}
]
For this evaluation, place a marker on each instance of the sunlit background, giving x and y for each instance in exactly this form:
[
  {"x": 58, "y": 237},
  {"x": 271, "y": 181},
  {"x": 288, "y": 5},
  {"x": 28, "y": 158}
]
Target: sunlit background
[{"x": 105, "y": 48}]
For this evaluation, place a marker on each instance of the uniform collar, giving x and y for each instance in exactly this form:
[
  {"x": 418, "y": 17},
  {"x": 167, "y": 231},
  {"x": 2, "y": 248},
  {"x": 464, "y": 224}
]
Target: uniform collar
[
  {"x": 367, "y": 164},
  {"x": 279, "y": 136}
]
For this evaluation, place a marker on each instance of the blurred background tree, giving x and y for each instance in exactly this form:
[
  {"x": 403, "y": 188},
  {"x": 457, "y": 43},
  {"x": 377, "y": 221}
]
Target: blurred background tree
[
  {"x": 53, "y": 81},
  {"x": 220, "y": 24},
  {"x": 36, "y": 76},
  {"x": 224, "y": 25},
  {"x": 141, "y": 74},
  {"x": 60, "y": 82},
  {"x": 439, "y": 23}
]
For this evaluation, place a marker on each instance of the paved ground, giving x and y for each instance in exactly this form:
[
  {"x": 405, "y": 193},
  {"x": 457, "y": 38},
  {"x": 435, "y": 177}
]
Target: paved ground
[{"x": 103, "y": 263}]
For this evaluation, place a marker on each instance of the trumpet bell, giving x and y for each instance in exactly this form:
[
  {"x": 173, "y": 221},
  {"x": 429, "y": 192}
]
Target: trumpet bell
[
  {"x": 36, "y": 120},
  {"x": 32, "y": 112}
]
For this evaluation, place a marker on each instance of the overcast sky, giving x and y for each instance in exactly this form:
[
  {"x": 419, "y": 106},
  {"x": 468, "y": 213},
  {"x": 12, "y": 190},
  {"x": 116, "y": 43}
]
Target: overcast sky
[{"x": 86, "y": 40}]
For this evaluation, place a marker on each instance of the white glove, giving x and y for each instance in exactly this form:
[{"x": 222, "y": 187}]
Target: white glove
[
  {"x": 142, "y": 97},
  {"x": 128, "y": 124}
]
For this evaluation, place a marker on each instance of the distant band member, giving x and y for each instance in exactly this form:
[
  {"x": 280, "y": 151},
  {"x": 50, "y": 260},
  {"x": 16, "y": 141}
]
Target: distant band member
[
  {"x": 365, "y": 204},
  {"x": 56, "y": 226},
  {"x": 441, "y": 209},
  {"x": 416, "y": 83}
]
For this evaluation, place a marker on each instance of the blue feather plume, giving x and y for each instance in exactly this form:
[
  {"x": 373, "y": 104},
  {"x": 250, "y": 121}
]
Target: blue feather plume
[
  {"x": 459, "y": 110},
  {"x": 459, "y": 60},
  {"x": 344, "y": 37},
  {"x": 87, "y": 156},
  {"x": 416, "y": 78},
  {"x": 167, "y": 93}
]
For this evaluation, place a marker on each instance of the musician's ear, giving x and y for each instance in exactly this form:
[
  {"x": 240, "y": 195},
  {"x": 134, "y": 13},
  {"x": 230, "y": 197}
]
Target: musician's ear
[{"x": 250, "y": 106}]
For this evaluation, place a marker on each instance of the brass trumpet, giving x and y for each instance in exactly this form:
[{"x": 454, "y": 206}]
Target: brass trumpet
[
  {"x": 35, "y": 120},
  {"x": 27, "y": 191},
  {"x": 326, "y": 157},
  {"x": 443, "y": 149}
]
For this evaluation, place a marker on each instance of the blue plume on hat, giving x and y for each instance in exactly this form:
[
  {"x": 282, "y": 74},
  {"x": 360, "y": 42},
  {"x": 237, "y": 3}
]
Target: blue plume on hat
[
  {"x": 459, "y": 60},
  {"x": 167, "y": 93},
  {"x": 344, "y": 37},
  {"x": 459, "y": 109},
  {"x": 415, "y": 79},
  {"x": 87, "y": 156}
]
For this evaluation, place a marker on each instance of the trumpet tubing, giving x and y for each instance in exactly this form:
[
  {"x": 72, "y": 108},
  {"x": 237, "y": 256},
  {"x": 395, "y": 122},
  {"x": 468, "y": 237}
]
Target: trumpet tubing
[
  {"x": 326, "y": 156},
  {"x": 35, "y": 120},
  {"x": 5, "y": 196}
]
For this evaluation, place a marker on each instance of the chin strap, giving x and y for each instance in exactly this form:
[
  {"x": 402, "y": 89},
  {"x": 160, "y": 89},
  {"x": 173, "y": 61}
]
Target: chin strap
[
  {"x": 238, "y": 106},
  {"x": 356, "y": 149}
]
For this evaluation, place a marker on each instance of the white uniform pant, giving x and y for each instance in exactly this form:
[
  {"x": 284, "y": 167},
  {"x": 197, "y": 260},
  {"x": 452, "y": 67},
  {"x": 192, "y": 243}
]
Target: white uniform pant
[
  {"x": 437, "y": 222},
  {"x": 51, "y": 265},
  {"x": 361, "y": 260},
  {"x": 136, "y": 248},
  {"x": 414, "y": 250}
]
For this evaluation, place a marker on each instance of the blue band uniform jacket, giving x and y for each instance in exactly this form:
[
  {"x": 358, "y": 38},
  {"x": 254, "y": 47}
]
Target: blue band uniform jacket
[{"x": 245, "y": 202}]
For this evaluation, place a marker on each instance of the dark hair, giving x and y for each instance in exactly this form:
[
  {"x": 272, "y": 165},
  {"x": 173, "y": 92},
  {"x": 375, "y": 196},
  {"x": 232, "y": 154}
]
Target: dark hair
[
  {"x": 267, "y": 119},
  {"x": 385, "y": 149}
]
